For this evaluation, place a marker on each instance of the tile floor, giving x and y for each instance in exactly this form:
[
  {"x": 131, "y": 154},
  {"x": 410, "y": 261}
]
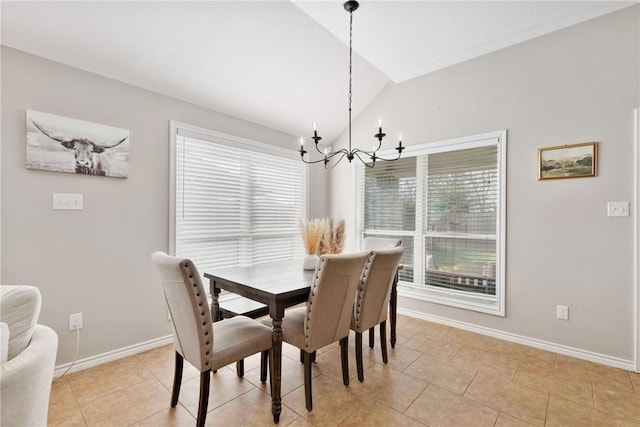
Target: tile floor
[{"x": 436, "y": 376}]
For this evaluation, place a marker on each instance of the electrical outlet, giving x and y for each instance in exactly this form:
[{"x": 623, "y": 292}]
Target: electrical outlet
[
  {"x": 75, "y": 321},
  {"x": 562, "y": 312},
  {"x": 618, "y": 209}
]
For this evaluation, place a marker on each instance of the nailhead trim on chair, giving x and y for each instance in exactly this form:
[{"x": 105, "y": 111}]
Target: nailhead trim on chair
[
  {"x": 363, "y": 281},
  {"x": 312, "y": 294},
  {"x": 186, "y": 268}
]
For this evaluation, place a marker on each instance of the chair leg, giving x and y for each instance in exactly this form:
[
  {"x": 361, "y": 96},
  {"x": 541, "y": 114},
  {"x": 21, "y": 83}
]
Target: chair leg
[
  {"x": 313, "y": 356},
  {"x": 205, "y": 378},
  {"x": 177, "y": 379},
  {"x": 263, "y": 366},
  {"x": 359, "y": 363},
  {"x": 344, "y": 356},
  {"x": 383, "y": 341},
  {"x": 308, "y": 398},
  {"x": 240, "y": 368},
  {"x": 372, "y": 336}
]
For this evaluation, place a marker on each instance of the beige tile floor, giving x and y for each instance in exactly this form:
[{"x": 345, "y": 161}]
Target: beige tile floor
[{"x": 436, "y": 376}]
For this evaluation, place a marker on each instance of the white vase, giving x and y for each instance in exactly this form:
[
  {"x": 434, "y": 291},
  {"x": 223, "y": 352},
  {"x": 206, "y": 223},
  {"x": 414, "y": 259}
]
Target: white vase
[{"x": 310, "y": 262}]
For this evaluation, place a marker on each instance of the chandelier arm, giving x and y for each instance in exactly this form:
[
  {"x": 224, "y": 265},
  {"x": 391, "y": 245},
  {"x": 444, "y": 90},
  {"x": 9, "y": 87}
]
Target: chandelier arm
[
  {"x": 326, "y": 157},
  {"x": 344, "y": 154},
  {"x": 311, "y": 162},
  {"x": 342, "y": 151},
  {"x": 389, "y": 160},
  {"x": 364, "y": 162},
  {"x": 371, "y": 154},
  {"x": 318, "y": 150},
  {"x": 358, "y": 150}
]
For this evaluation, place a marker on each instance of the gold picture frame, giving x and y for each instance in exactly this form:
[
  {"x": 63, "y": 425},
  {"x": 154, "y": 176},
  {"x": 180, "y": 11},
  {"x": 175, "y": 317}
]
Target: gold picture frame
[{"x": 568, "y": 161}]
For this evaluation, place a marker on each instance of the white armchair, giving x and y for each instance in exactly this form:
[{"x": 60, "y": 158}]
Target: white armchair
[{"x": 28, "y": 356}]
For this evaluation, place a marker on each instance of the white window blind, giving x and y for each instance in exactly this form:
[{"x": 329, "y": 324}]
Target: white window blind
[
  {"x": 237, "y": 202},
  {"x": 446, "y": 202},
  {"x": 388, "y": 198},
  {"x": 459, "y": 225}
]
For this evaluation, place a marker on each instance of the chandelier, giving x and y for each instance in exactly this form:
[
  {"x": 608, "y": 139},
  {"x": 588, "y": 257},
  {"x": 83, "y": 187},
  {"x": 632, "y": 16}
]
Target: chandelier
[{"x": 368, "y": 158}]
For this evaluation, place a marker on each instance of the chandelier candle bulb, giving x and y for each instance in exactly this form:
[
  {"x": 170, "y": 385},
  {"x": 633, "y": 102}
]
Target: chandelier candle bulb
[{"x": 302, "y": 150}]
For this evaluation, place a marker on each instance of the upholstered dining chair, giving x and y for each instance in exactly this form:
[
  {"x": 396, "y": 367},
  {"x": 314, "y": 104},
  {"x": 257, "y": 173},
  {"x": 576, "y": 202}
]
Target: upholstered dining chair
[
  {"x": 372, "y": 299},
  {"x": 204, "y": 344},
  {"x": 371, "y": 244},
  {"x": 327, "y": 315}
]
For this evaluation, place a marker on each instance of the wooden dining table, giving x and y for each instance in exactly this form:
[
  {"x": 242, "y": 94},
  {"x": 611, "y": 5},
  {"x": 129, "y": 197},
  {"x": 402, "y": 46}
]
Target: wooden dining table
[{"x": 278, "y": 285}]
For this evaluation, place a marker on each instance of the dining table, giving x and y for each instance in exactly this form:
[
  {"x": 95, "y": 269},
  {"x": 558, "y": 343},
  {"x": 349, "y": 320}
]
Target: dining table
[{"x": 278, "y": 285}]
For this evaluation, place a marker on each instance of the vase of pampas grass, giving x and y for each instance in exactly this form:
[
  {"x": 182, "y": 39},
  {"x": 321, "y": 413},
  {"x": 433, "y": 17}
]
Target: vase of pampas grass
[{"x": 311, "y": 231}]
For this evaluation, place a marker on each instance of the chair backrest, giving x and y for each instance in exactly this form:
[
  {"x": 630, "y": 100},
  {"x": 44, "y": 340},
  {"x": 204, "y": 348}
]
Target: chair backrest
[
  {"x": 374, "y": 243},
  {"x": 330, "y": 304},
  {"x": 187, "y": 303},
  {"x": 372, "y": 296}
]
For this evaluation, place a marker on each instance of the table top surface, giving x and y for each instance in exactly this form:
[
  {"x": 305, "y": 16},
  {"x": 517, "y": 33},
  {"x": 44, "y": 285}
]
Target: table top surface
[{"x": 276, "y": 278}]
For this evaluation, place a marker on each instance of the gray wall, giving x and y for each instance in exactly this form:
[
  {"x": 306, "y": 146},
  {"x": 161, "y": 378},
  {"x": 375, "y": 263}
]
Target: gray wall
[
  {"x": 96, "y": 261},
  {"x": 576, "y": 85}
]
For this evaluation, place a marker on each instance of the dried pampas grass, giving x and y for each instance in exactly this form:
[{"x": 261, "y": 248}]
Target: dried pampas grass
[
  {"x": 312, "y": 231},
  {"x": 332, "y": 241}
]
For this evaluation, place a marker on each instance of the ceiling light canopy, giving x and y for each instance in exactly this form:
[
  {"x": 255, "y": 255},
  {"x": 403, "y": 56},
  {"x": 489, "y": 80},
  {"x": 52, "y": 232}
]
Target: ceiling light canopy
[{"x": 368, "y": 158}]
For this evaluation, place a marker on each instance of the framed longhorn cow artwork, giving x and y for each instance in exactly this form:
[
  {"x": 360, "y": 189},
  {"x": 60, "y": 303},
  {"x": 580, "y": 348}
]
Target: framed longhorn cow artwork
[{"x": 62, "y": 144}]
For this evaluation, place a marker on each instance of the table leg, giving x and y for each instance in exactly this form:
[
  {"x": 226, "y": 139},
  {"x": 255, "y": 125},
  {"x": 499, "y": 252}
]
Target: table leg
[
  {"x": 275, "y": 366},
  {"x": 393, "y": 304},
  {"x": 215, "y": 306}
]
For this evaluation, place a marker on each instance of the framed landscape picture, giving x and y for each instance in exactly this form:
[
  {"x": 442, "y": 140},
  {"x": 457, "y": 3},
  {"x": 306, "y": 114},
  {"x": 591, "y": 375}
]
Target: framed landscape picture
[
  {"x": 63, "y": 144},
  {"x": 568, "y": 161}
]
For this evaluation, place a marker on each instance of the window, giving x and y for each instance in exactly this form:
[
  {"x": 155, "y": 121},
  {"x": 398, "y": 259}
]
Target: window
[
  {"x": 234, "y": 202},
  {"x": 446, "y": 201}
]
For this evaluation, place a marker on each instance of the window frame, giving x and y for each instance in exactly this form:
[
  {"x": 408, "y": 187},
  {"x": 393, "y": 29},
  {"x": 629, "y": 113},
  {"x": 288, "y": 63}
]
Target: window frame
[{"x": 494, "y": 305}]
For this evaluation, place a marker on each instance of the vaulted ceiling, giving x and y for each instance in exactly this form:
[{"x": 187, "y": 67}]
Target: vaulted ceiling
[{"x": 280, "y": 64}]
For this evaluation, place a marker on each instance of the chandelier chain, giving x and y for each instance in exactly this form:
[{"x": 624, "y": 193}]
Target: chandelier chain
[{"x": 350, "y": 71}]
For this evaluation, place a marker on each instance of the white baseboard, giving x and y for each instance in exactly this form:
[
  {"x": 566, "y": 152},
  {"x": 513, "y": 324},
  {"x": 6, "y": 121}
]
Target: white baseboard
[
  {"x": 603, "y": 359},
  {"x": 113, "y": 355}
]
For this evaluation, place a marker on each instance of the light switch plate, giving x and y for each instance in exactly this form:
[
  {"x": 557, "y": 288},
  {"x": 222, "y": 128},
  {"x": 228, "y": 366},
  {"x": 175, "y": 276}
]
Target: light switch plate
[
  {"x": 67, "y": 201},
  {"x": 618, "y": 209}
]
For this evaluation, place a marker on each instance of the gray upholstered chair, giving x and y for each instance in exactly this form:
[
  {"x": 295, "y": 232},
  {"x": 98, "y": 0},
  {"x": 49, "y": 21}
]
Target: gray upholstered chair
[
  {"x": 206, "y": 345},
  {"x": 371, "y": 244},
  {"x": 374, "y": 243},
  {"x": 372, "y": 299},
  {"x": 327, "y": 315}
]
